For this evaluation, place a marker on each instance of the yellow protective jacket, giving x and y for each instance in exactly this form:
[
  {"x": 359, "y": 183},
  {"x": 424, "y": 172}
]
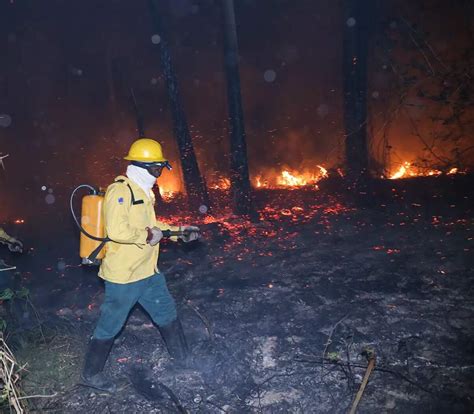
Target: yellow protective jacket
[{"x": 128, "y": 258}]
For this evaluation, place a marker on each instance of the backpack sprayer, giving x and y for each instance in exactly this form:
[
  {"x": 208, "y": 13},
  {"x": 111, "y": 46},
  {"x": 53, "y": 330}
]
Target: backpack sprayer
[{"x": 91, "y": 226}]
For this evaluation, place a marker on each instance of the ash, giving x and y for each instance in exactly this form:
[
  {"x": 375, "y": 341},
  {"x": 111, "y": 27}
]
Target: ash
[{"x": 279, "y": 312}]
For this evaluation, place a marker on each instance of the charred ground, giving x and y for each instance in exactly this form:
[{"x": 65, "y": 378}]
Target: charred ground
[{"x": 277, "y": 311}]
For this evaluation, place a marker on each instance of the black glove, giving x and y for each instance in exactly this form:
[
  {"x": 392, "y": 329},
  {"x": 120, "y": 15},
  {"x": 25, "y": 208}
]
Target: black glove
[{"x": 16, "y": 246}]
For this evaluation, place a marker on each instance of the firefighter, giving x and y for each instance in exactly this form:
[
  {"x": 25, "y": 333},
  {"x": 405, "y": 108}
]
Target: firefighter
[{"x": 129, "y": 268}]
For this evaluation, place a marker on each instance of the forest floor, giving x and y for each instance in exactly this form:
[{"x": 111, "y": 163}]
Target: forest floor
[{"x": 280, "y": 314}]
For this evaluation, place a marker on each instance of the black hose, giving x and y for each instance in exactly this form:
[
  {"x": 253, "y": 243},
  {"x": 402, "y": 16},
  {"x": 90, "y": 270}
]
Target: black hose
[{"x": 94, "y": 191}]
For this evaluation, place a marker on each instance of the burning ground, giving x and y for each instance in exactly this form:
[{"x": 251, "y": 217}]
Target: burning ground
[{"x": 279, "y": 311}]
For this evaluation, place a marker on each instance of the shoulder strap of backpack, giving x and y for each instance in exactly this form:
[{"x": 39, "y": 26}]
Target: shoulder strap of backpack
[{"x": 134, "y": 202}]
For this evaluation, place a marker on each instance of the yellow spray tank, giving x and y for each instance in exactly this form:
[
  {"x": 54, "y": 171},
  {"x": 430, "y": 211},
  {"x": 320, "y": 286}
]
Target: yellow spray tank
[
  {"x": 93, "y": 239},
  {"x": 93, "y": 223}
]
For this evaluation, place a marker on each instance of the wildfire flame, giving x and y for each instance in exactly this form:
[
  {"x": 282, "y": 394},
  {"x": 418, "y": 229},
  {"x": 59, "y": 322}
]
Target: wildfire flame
[
  {"x": 291, "y": 179},
  {"x": 170, "y": 185},
  {"x": 407, "y": 170}
]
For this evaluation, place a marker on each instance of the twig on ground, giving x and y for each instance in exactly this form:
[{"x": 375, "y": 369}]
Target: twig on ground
[
  {"x": 40, "y": 324},
  {"x": 38, "y": 396},
  {"x": 380, "y": 369},
  {"x": 350, "y": 376},
  {"x": 9, "y": 377},
  {"x": 206, "y": 322},
  {"x": 370, "y": 367},
  {"x": 215, "y": 406},
  {"x": 328, "y": 342}
]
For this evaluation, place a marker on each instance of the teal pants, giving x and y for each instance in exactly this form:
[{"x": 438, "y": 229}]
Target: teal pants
[{"x": 151, "y": 293}]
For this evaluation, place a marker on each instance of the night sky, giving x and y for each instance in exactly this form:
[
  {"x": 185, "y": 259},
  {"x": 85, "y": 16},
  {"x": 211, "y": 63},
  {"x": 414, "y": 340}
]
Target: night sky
[{"x": 67, "y": 67}]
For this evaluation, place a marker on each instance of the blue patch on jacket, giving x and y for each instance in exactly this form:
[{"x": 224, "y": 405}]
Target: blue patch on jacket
[{"x": 120, "y": 200}]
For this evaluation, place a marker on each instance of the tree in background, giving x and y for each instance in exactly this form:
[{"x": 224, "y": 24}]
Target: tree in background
[
  {"x": 239, "y": 171},
  {"x": 194, "y": 183},
  {"x": 427, "y": 89},
  {"x": 355, "y": 60}
]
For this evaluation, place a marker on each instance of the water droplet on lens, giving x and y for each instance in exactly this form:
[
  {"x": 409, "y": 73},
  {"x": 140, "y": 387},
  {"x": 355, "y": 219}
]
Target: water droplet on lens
[
  {"x": 269, "y": 75},
  {"x": 50, "y": 199},
  {"x": 351, "y": 22},
  {"x": 61, "y": 265},
  {"x": 5, "y": 120}
]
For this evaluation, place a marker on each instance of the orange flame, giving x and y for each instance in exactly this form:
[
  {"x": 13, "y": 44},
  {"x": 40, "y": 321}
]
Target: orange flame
[
  {"x": 407, "y": 170},
  {"x": 222, "y": 183},
  {"x": 290, "y": 178}
]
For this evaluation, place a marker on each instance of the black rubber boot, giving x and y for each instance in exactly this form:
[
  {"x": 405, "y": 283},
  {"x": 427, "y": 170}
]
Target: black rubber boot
[
  {"x": 95, "y": 359},
  {"x": 175, "y": 340}
]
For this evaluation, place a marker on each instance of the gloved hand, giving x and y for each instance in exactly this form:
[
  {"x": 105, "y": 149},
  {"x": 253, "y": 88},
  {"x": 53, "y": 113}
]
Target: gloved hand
[
  {"x": 154, "y": 236},
  {"x": 15, "y": 246},
  {"x": 190, "y": 233}
]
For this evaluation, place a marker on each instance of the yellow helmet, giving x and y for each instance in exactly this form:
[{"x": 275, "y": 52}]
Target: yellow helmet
[{"x": 145, "y": 150}]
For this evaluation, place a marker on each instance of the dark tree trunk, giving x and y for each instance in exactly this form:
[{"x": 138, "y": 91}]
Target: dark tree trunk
[
  {"x": 239, "y": 171},
  {"x": 356, "y": 38},
  {"x": 194, "y": 183}
]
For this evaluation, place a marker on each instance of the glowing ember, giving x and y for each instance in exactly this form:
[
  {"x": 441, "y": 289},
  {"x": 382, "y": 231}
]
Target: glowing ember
[
  {"x": 222, "y": 183},
  {"x": 167, "y": 194}
]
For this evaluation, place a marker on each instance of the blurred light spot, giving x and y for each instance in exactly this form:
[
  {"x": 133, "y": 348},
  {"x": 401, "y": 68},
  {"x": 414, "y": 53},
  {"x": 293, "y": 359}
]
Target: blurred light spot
[
  {"x": 85, "y": 220},
  {"x": 351, "y": 22},
  {"x": 155, "y": 39},
  {"x": 76, "y": 71},
  {"x": 43, "y": 188},
  {"x": 50, "y": 190},
  {"x": 154, "y": 81},
  {"x": 50, "y": 199},
  {"x": 5, "y": 120},
  {"x": 269, "y": 75},
  {"x": 203, "y": 209},
  {"x": 322, "y": 110},
  {"x": 375, "y": 94},
  {"x": 61, "y": 265}
]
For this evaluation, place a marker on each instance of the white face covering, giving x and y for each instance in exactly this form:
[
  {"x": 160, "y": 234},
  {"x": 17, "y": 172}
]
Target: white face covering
[{"x": 142, "y": 178}]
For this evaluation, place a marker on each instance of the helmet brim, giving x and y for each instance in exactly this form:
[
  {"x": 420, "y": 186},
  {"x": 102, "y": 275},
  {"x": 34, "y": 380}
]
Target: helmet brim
[{"x": 143, "y": 159}]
